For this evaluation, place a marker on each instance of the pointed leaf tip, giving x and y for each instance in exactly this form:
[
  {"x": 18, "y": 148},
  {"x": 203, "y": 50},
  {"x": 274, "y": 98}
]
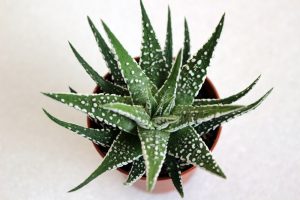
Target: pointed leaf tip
[
  {"x": 72, "y": 90},
  {"x": 227, "y": 100},
  {"x": 47, "y": 94},
  {"x": 152, "y": 59},
  {"x": 130, "y": 147},
  {"x": 194, "y": 72}
]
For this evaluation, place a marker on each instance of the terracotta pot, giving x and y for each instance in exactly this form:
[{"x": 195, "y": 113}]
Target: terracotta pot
[{"x": 164, "y": 183}]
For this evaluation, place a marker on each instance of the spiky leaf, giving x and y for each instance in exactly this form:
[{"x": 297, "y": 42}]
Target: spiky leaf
[
  {"x": 103, "y": 136},
  {"x": 168, "y": 90},
  {"x": 187, "y": 145},
  {"x": 154, "y": 147},
  {"x": 125, "y": 149},
  {"x": 108, "y": 56},
  {"x": 133, "y": 112},
  {"x": 193, "y": 73},
  {"x": 91, "y": 104},
  {"x": 168, "y": 51},
  {"x": 186, "y": 44},
  {"x": 190, "y": 115},
  {"x": 174, "y": 172},
  {"x": 139, "y": 85},
  {"x": 106, "y": 86},
  {"x": 152, "y": 59},
  {"x": 205, "y": 127},
  {"x": 137, "y": 171},
  {"x": 227, "y": 100}
]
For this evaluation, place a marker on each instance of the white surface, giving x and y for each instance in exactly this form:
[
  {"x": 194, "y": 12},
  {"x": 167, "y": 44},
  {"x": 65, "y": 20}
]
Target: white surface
[{"x": 259, "y": 152}]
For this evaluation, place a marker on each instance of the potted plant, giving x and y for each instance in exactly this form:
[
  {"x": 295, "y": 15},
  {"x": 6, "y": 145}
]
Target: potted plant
[{"x": 147, "y": 116}]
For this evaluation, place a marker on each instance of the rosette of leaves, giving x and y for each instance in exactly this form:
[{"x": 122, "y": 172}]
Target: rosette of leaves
[{"x": 148, "y": 113}]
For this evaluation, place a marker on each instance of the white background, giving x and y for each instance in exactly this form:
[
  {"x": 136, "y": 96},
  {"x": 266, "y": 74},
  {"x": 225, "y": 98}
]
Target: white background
[{"x": 259, "y": 152}]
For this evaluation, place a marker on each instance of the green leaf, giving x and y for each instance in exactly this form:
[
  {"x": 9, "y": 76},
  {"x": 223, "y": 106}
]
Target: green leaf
[
  {"x": 154, "y": 147},
  {"x": 91, "y": 104},
  {"x": 133, "y": 112},
  {"x": 106, "y": 86},
  {"x": 205, "y": 127},
  {"x": 168, "y": 51},
  {"x": 168, "y": 90},
  {"x": 139, "y": 85},
  {"x": 193, "y": 73},
  {"x": 170, "y": 105},
  {"x": 174, "y": 172},
  {"x": 136, "y": 172},
  {"x": 108, "y": 56},
  {"x": 103, "y": 136},
  {"x": 125, "y": 149},
  {"x": 152, "y": 60},
  {"x": 163, "y": 122},
  {"x": 227, "y": 100},
  {"x": 186, "y": 44},
  {"x": 187, "y": 145},
  {"x": 190, "y": 115}
]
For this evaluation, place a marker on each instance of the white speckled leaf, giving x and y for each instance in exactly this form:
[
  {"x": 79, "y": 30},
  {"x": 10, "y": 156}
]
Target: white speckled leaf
[
  {"x": 227, "y": 100},
  {"x": 174, "y": 172},
  {"x": 125, "y": 149},
  {"x": 139, "y": 85},
  {"x": 194, "y": 72},
  {"x": 168, "y": 90},
  {"x": 137, "y": 171},
  {"x": 108, "y": 55},
  {"x": 154, "y": 147},
  {"x": 163, "y": 122},
  {"x": 186, "y": 44},
  {"x": 91, "y": 104},
  {"x": 106, "y": 86},
  {"x": 103, "y": 136},
  {"x": 152, "y": 59},
  {"x": 187, "y": 145},
  {"x": 205, "y": 127},
  {"x": 192, "y": 115},
  {"x": 168, "y": 51},
  {"x": 133, "y": 112}
]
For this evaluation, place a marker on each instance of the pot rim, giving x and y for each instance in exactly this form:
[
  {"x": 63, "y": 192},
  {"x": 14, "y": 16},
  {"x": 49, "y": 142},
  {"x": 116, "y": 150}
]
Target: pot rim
[{"x": 192, "y": 168}]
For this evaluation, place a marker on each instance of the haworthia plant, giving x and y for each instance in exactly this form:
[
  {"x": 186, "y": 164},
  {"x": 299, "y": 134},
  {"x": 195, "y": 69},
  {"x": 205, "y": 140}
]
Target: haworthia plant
[{"x": 149, "y": 115}]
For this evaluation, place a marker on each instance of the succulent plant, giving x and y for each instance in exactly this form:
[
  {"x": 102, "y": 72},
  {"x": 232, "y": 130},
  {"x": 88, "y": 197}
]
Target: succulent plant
[{"x": 149, "y": 115}]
